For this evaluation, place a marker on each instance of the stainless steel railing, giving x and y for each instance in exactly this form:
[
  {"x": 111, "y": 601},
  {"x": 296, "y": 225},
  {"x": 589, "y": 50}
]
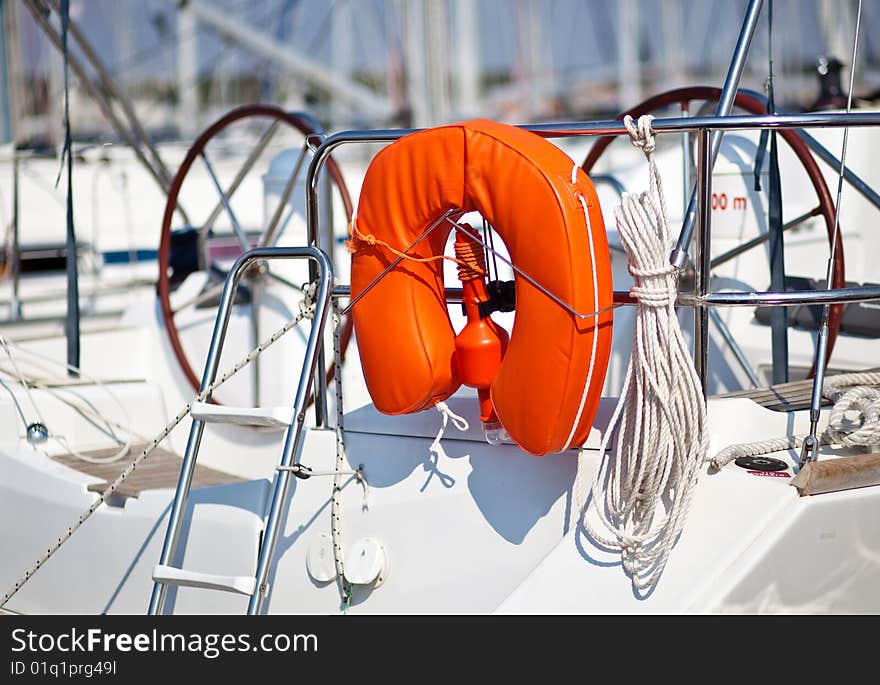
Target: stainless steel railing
[{"x": 702, "y": 300}]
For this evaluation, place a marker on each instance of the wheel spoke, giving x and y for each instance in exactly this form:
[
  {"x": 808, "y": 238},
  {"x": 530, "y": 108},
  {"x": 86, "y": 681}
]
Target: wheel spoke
[
  {"x": 763, "y": 238},
  {"x": 239, "y": 232},
  {"x": 282, "y": 280},
  {"x": 239, "y": 177},
  {"x": 271, "y": 235},
  {"x": 204, "y": 296}
]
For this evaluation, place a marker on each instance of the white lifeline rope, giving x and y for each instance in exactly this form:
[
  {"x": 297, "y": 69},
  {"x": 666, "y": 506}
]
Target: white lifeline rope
[
  {"x": 307, "y": 310},
  {"x": 851, "y": 392},
  {"x": 640, "y": 498}
]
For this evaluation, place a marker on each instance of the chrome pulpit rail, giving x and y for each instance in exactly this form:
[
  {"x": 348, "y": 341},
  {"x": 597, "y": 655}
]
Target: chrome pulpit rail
[{"x": 704, "y": 126}]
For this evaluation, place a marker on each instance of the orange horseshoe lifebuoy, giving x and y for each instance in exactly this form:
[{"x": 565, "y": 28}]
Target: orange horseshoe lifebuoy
[{"x": 545, "y": 208}]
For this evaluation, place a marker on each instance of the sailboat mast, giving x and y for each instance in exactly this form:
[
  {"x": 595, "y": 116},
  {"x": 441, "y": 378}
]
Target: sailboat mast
[
  {"x": 628, "y": 64},
  {"x": 187, "y": 73},
  {"x": 6, "y": 107},
  {"x": 466, "y": 52}
]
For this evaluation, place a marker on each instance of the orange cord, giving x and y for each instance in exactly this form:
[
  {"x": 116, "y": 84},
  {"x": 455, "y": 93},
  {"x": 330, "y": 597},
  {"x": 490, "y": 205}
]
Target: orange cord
[
  {"x": 471, "y": 258},
  {"x": 353, "y": 245}
]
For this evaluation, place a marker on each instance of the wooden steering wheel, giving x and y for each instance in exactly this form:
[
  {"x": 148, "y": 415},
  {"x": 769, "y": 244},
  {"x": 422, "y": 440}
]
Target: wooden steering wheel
[{"x": 224, "y": 221}]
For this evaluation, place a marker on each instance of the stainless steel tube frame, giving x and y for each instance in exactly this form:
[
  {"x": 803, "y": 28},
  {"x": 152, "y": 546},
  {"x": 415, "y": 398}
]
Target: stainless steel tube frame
[
  {"x": 614, "y": 127},
  {"x": 789, "y": 298},
  {"x": 293, "y": 438},
  {"x": 586, "y": 128},
  {"x": 212, "y": 362},
  {"x": 701, "y": 262}
]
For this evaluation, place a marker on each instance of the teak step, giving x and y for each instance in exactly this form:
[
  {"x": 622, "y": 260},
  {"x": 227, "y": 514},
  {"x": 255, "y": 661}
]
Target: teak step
[
  {"x": 273, "y": 417},
  {"x": 169, "y": 575}
]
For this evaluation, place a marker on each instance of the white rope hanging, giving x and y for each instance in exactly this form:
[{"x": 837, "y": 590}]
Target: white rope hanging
[{"x": 640, "y": 496}]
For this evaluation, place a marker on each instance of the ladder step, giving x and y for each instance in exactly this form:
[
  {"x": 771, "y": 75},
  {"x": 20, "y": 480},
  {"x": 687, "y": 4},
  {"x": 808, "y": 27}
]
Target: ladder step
[
  {"x": 169, "y": 575},
  {"x": 275, "y": 417}
]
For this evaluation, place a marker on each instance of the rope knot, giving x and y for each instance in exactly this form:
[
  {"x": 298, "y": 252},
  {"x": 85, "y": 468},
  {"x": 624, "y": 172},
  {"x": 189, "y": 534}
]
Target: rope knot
[
  {"x": 357, "y": 238},
  {"x": 642, "y": 134}
]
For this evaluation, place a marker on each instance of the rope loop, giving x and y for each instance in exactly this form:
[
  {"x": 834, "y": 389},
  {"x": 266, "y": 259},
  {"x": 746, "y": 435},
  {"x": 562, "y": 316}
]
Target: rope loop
[
  {"x": 661, "y": 270},
  {"x": 448, "y": 415},
  {"x": 653, "y": 297},
  {"x": 356, "y": 239}
]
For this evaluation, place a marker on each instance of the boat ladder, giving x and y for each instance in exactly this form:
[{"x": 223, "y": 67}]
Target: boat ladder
[{"x": 292, "y": 419}]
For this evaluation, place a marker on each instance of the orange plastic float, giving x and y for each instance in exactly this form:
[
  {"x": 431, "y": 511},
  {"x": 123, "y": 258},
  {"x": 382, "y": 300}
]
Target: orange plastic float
[{"x": 545, "y": 387}]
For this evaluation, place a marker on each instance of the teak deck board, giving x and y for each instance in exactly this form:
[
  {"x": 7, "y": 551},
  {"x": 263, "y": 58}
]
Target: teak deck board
[
  {"x": 792, "y": 396},
  {"x": 159, "y": 470}
]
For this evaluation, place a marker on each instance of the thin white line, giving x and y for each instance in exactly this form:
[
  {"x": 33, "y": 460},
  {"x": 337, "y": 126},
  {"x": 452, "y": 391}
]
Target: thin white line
[{"x": 596, "y": 326}]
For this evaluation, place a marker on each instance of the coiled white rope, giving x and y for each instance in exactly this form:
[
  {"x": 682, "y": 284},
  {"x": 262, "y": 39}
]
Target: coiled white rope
[
  {"x": 640, "y": 497},
  {"x": 307, "y": 310},
  {"x": 854, "y": 420}
]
